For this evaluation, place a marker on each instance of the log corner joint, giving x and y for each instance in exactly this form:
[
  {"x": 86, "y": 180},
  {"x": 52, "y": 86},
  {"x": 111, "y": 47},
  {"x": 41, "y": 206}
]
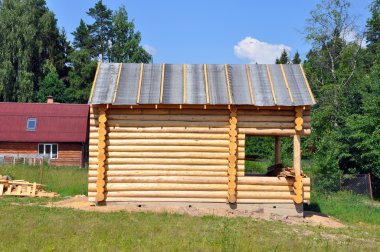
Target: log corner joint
[
  {"x": 102, "y": 132},
  {"x": 232, "y": 158}
]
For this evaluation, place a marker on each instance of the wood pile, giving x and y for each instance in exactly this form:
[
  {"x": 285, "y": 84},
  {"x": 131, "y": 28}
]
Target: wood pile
[
  {"x": 23, "y": 188},
  {"x": 279, "y": 171}
]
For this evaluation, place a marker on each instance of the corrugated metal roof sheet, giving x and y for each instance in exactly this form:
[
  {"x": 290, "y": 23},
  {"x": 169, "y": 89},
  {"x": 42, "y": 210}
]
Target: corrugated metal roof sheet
[
  {"x": 254, "y": 84},
  {"x": 55, "y": 122}
]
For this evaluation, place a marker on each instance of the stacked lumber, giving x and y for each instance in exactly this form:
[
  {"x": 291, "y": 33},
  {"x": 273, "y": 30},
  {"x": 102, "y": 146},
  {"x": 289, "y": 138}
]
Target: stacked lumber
[{"x": 22, "y": 188}]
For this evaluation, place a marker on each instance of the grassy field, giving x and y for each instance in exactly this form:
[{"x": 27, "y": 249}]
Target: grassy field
[
  {"x": 64, "y": 180},
  {"x": 32, "y": 227}
]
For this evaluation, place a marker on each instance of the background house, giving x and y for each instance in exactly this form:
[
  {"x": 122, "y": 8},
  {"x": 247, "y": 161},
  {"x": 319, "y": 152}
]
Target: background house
[{"x": 56, "y": 131}]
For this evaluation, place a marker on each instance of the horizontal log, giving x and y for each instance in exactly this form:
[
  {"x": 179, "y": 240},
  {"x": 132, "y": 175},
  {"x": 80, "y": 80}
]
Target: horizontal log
[
  {"x": 206, "y": 155},
  {"x": 265, "y": 118},
  {"x": 162, "y": 161},
  {"x": 160, "y": 187},
  {"x": 165, "y": 179},
  {"x": 268, "y": 188},
  {"x": 272, "y": 132},
  {"x": 170, "y": 167},
  {"x": 271, "y": 125},
  {"x": 268, "y": 195},
  {"x": 167, "y": 111},
  {"x": 256, "y": 180},
  {"x": 169, "y": 142},
  {"x": 136, "y": 148},
  {"x": 194, "y": 187},
  {"x": 132, "y": 173},
  {"x": 159, "y": 135},
  {"x": 138, "y": 123},
  {"x": 169, "y": 194},
  {"x": 189, "y": 161},
  {"x": 141, "y": 199},
  {"x": 166, "y": 129},
  {"x": 187, "y": 118}
]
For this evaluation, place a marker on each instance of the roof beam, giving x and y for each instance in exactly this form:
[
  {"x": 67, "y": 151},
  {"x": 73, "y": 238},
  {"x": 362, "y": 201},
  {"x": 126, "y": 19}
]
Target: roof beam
[
  {"x": 307, "y": 84},
  {"x": 140, "y": 81},
  {"x": 249, "y": 84},
  {"x": 117, "y": 82},
  {"x": 162, "y": 82},
  {"x": 228, "y": 84},
  {"x": 184, "y": 84},
  {"x": 206, "y": 82},
  {"x": 271, "y": 85},
  {"x": 286, "y": 83}
]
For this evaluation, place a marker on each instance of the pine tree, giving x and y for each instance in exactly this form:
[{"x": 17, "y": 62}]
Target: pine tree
[
  {"x": 125, "y": 42},
  {"x": 284, "y": 58},
  {"x": 296, "y": 59},
  {"x": 100, "y": 30},
  {"x": 82, "y": 39}
]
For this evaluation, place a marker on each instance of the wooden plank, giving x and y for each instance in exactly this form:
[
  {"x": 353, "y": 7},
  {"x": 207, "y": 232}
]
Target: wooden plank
[
  {"x": 286, "y": 83},
  {"x": 117, "y": 82},
  {"x": 162, "y": 82},
  {"x": 271, "y": 84},
  {"x": 140, "y": 81},
  {"x": 206, "y": 83},
  {"x": 307, "y": 83},
  {"x": 228, "y": 84},
  {"x": 250, "y": 84}
]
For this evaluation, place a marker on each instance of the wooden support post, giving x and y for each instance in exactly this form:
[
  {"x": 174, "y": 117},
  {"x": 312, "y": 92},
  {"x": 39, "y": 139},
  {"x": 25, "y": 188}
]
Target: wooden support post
[
  {"x": 102, "y": 132},
  {"x": 232, "y": 158},
  {"x": 298, "y": 121},
  {"x": 277, "y": 150},
  {"x": 298, "y": 186}
]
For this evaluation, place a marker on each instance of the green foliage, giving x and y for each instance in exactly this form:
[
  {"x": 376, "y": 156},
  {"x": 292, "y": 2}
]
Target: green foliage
[
  {"x": 296, "y": 59},
  {"x": 125, "y": 41},
  {"x": 348, "y": 207},
  {"x": 284, "y": 58},
  {"x": 34, "y": 39},
  {"x": 51, "y": 85}
]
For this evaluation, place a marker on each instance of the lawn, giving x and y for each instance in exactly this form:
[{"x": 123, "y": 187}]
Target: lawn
[{"x": 32, "y": 227}]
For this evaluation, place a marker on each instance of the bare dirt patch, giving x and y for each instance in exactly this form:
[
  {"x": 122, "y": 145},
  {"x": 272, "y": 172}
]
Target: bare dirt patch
[{"x": 310, "y": 218}]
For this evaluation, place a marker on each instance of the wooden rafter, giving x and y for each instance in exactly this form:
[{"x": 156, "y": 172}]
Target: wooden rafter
[
  {"x": 271, "y": 85},
  {"x": 140, "y": 82},
  {"x": 117, "y": 82},
  {"x": 286, "y": 83},
  {"x": 228, "y": 84},
  {"x": 249, "y": 84}
]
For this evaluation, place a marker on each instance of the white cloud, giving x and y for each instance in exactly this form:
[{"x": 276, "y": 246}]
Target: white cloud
[
  {"x": 353, "y": 36},
  {"x": 150, "y": 49},
  {"x": 257, "y": 51}
]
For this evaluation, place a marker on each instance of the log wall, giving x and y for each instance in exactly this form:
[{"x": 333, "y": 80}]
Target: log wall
[{"x": 172, "y": 154}]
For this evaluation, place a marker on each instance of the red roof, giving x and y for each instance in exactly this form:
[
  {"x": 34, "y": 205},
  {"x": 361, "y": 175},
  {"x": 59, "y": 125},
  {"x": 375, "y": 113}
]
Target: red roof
[{"x": 55, "y": 122}]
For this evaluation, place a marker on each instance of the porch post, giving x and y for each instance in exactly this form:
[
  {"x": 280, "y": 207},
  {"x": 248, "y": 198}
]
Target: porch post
[
  {"x": 298, "y": 185},
  {"x": 277, "y": 150},
  {"x": 297, "y": 154}
]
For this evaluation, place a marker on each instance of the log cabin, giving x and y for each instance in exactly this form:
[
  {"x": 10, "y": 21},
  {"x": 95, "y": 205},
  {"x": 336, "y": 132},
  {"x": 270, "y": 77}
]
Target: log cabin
[
  {"x": 57, "y": 132},
  {"x": 173, "y": 133}
]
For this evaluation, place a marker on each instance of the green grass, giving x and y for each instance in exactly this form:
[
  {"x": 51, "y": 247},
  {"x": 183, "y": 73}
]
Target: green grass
[
  {"x": 36, "y": 228},
  {"x": 28, "y": 226},
  {"x": 64, "y": 180},
  {"x": 257, "y": 167},
  {"x": 347, "y": 207}
]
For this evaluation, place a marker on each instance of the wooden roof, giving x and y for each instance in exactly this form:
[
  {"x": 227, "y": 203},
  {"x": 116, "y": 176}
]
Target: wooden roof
[{"x": 229, "y": 84}]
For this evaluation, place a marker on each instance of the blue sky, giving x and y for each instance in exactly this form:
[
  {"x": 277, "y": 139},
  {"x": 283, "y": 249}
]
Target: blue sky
[{"x": 222, "y": 31}]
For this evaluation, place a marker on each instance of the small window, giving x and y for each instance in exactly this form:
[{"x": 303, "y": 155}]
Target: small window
[
  {"x": 31, "y": 124},
  {"x": 49, "y": 150}
]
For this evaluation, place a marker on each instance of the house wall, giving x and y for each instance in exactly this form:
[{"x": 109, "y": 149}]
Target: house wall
[
  {"x": 69, "y": 154},
  {"x": 170, "y": 154}
]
